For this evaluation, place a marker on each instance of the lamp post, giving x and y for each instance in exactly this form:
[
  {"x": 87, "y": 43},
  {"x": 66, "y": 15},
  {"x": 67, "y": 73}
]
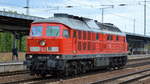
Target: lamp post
[
  {"x": 134, "y": 20},
  {"x": 27, "y": 7},
  {"x": 102, "y": 14},
  {"x": 134, "y": 25},
  {"x": 108, "y": 6},
  {"x": 144, "y": 17}
]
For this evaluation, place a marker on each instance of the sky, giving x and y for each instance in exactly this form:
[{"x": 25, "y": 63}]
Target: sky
[{"x": 121, "y": 16}]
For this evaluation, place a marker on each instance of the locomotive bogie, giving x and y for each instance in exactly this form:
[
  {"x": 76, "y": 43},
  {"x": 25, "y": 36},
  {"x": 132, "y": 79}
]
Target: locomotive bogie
[{"x": 45, "y": 64}]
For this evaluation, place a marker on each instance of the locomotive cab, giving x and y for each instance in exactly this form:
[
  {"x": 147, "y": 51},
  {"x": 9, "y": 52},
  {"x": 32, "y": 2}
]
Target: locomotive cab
[
  {"x": 46, "y": 38},
  {"x": 44, "y": 46}
]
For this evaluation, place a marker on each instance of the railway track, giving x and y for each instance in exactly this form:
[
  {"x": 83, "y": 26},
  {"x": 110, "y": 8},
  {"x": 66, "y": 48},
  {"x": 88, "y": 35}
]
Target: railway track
[
  {"x": 89, "y": 79},
  {"x": 27, "y": 79},
  {"x": 132, "y": 62},
  {"x": 125, "y": 78},
  {"x": 14, "y": 73},
  {"x": 33, "y": 80},
  {"x": 113, "y": 77},
  {"x": 138, "y": 59}
]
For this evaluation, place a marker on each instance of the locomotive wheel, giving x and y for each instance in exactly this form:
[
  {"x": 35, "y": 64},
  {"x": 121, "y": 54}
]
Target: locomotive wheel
[
  {"x": 113, "y": 63},
  {"x": 67, "y": 70},
  {"x": 82, "y": 67},
  {"x": 120, "y": 63},
  {"x": 90, "y": 66},
  {"x": 79, "y": 69},
  {"x": 74, "y": 68},
  {"x": 116, "y": 63},
  {"x": 71, "y": 69},
  {"x": 85, "y": 68},
  {"x": 124, "y": 60}
]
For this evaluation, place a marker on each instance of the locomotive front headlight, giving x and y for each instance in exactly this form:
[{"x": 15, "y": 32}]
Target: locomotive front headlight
[
  {"x": 57, "y": 57},
  {"x": 42, "y": 43},
  {"x": 30, "y": 56}
]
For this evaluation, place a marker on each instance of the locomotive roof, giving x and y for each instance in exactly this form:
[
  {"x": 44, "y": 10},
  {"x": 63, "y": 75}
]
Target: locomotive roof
[{"x": 81, "y": 23}]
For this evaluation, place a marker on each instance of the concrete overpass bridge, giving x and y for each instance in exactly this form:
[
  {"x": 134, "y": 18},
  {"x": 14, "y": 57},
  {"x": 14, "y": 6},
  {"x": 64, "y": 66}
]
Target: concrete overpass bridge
[
  {"x": 13, "y": 22},
  {"x": 17, "y": 24}
]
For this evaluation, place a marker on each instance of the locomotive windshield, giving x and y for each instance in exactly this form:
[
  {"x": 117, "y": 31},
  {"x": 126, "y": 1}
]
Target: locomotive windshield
[
  {"x": 36, "y": 31},
  {"x": 53, "y": 31}
]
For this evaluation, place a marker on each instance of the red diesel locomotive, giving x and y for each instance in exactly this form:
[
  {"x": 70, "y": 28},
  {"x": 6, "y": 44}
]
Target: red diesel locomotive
[{"x": 67, "y": 44}]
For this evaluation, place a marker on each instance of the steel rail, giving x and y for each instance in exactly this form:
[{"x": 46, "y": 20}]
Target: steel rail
[
  {"x": 135, "y": 79},
  {"x": 13, "y": 73},
  {"x": 47, "y": 81},
  {"x": 118, "y": 77},
  {"x": 40, "y": 80}
]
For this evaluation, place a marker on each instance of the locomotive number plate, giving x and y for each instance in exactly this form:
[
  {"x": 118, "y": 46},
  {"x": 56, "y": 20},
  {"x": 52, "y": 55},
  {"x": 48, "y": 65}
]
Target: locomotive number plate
[{"x": 34, "y": 48}]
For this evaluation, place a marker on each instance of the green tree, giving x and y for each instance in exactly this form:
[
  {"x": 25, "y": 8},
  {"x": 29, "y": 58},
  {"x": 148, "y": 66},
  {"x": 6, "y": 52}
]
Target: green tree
[{"x": 6, "y": 42}]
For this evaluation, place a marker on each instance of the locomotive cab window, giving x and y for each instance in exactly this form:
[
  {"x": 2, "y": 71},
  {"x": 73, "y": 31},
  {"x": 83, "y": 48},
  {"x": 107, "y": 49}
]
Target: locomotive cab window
[
  {"x": 53, "y": 31},
  {"x": 66, "y": 33},
  {"x": 36, "y": 30}
]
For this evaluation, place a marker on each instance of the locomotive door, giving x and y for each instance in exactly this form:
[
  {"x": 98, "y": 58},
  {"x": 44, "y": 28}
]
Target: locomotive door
[{"x": 74, "y": 42}]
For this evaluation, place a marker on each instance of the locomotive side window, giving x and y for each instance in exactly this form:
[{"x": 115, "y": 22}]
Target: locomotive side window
[
  {"x": 52, "y": 31},
  {"x": 117, "y": 38},
  {"x": 74, "y": 34},
  {"x": 36, "y": 31},
  {"x": 109, "y": 37},
  {"x": 89, "y": 35},
  {"x": 84, "y": 35},
  {"x": 79, "y": 34},
  {"x": 66, "y": 33},
  {"x": 124, "y": 39},
  {"x": 97, "y": 36},
  {"x": 92, "y": 35}
]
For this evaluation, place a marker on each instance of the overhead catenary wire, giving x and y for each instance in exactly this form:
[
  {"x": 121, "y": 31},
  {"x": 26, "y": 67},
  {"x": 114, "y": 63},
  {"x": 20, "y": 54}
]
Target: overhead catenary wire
[{"x": 127, "y": 18}]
